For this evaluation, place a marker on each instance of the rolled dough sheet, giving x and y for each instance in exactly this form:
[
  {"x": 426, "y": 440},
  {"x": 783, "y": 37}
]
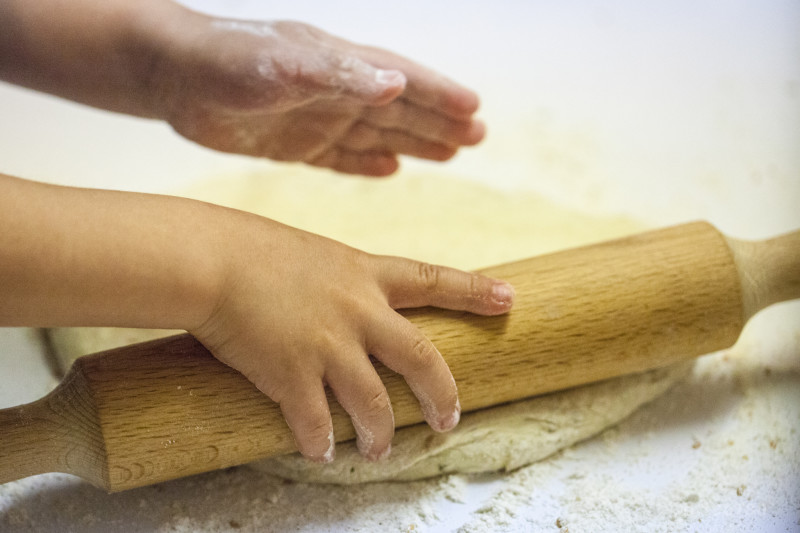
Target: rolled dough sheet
[
  {"x": 500, "y": 438},
  {"x": 443, "y": 220},
  {"x": 429, "y": 217}
]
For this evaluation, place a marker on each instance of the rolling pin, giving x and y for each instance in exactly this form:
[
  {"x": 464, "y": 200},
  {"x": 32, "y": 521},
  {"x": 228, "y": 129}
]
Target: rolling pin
[{"x": 165, "y": 409}]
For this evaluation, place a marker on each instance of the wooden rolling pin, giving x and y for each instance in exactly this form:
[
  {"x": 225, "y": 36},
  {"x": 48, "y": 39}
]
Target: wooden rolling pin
[{"x": 165, "y": 409}]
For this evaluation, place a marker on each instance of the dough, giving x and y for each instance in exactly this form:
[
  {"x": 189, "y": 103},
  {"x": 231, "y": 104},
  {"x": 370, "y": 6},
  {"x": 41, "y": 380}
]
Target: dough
[
  {"x": 429, "y": 217},
  {"x": 441, "y": 220},
  {"x": 500, "y": 438}
]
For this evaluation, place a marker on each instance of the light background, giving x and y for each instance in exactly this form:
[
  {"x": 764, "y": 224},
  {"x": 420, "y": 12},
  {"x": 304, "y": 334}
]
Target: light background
[{"x": 668, "y": 111}]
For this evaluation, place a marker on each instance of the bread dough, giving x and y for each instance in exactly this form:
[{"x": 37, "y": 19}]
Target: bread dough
[
  {"x": 429, "y": 217},
  {"x": 442, "y": 220},
  {"x": 500, "y": 438}
]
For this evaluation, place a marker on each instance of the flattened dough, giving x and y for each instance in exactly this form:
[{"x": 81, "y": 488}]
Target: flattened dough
[
  {"x": 501, "y": 438},
  {"x": 442, "y": 220}
]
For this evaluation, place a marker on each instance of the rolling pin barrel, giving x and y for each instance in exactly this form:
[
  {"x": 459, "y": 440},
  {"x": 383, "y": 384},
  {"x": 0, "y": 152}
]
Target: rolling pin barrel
[{"x": 165, "y": 409}]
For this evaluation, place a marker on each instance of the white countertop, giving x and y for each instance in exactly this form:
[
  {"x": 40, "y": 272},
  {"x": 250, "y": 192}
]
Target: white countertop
[{"x": 667, "y": 111}]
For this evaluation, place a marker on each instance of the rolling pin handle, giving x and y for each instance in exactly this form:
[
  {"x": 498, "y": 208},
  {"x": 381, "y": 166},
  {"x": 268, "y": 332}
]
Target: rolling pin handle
[
  {"x": 769, "y": 270},
  {"x": 26, "y": 446},
  {"x": 57, "y": 433}
]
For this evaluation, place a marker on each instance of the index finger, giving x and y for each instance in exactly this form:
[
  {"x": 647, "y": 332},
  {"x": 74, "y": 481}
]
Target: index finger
[
  {"x": 407, "y": 283},
  {"x": 424, "y": 86},
  {"x": 404, "y": 349}
]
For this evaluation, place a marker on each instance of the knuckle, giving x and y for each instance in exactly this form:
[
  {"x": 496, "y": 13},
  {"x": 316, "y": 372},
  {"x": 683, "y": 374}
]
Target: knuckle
[
  {"x": 328, "y": 158},
  {"x": 312, "y": 432},
  {"x": 276, "y": 389},
  {"x": 328, "y": 341},
  {"x": 429, "y": 276},
  {"x": 378, "y": 405},
  {"x": 316, "y": 430},
  {"x": 395, "y": 112},
  {"x": 476, "y": 290},
  {"x": 361, "y": 137},
  {"x": 450, "y": 129},
  {"x": 388, "y": 116},
  {"x": 423, "y": 353},
  {"x": 441, "y": 152},
  {"x": 275, "y": 392}
]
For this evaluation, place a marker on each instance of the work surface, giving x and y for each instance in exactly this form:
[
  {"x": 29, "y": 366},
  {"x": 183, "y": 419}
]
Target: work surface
[
  {"x": 720, "y": 450},
  {"x": 663, "y": 111}
]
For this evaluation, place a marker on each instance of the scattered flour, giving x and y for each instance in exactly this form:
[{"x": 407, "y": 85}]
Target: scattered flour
[
  {"x": 734, "y": 462},
  {"x": 719, "y": 452},
  {"x": 259, "y": 29}
]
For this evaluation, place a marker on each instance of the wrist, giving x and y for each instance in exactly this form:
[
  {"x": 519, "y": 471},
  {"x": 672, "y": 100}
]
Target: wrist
[
  {"x": 157, "y": 31},
  {"x": 83, "y": 257},
  {"x": 101, "y": 54},
  {"x": 223, "y": 255}
]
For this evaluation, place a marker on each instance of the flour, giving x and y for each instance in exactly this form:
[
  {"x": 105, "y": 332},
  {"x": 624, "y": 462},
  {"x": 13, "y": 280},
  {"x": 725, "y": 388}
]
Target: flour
[
  {"x": 259, "y": 29},
  {"x": 501, "y": 438},
  {"x": 743, "y": 470},
  {"x": 648, "y": 474},
  {"x": 720, "y": 451},
  {"x": 444, "y": 209},
  {"x": 432, "y": 218}
]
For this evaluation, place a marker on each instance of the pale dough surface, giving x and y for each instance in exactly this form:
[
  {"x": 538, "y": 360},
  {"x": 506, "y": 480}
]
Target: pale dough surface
[
  {"x": 442, "y": 220},
  {"x": 501, "y": 438}
]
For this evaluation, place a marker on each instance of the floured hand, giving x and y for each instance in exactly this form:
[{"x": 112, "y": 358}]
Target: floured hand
[
  {"x": 291, "y": 310},
  {"x": 282, "y": 90},
  {"x": 291, "y": 92},
  {"x": 298, "y": 311}
]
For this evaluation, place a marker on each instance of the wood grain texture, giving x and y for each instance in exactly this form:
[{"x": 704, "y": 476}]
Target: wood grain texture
[
  {"x": 769, "y": 270},
  {"x": 165, "y": 409},
  {"x": 58, "y": 433}
]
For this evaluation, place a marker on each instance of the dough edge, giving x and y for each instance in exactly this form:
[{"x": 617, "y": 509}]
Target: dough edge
[{"x": 502, "y": 438}]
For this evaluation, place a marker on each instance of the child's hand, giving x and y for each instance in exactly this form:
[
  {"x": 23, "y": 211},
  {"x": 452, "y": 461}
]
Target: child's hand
[
  {"x": 298, "y": 311},
  {"x": 291, "y": 92},
  {"x": 282, "y": 90},
  {"x": 291, "y": 310}
]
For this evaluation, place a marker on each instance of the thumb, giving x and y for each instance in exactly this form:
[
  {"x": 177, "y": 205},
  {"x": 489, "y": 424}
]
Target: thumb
[{"x": 363, "y": 82}]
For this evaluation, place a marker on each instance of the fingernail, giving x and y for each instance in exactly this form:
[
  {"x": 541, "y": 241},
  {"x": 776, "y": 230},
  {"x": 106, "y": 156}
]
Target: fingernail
[
  {"x": 388, "y": 77},
  {"x": 476, "y": 132},
  {"x": 330, "y": 453},
  {"x": 451, "y": 421},
  {"x": 503, "y": 293},
  {"x": 364, "y": 437},
  {"x": 383, "y": 455}
]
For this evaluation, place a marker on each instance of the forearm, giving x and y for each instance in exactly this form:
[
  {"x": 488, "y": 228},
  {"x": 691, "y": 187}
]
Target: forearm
[
  {"x": 72, "y": 256},
  {"x": 101, "y": 53}
]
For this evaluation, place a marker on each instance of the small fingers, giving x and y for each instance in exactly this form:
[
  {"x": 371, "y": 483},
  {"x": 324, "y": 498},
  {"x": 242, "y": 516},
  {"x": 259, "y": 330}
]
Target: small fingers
[
  {"x": 365, "y": 138},
  {"x": 364, "y": 83},
  {"x": 349, "y": 76},
  {"x": 376, "y": 164},
  {"x": 404, "y": 349},
  {"x": 308, "y": 416},
  {"x": 408, "y": 283},
  {"x": 403, "y": 115},
  {"x": 361, "y": 393},
  {"x": 424, "y": 86}
]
